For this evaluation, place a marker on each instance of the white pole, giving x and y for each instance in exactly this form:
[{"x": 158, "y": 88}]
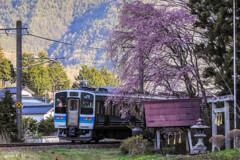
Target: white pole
[{"x": 234, "y": 64}]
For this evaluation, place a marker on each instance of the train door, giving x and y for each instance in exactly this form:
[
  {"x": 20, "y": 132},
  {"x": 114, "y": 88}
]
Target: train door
[{"x": 73, "y": 113}]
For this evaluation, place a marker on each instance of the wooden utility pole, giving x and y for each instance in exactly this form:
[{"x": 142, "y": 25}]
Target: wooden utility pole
[{"x": 19, "y": 78}]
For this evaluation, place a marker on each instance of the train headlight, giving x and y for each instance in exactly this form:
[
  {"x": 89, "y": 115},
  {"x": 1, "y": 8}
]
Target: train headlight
[
  {"x": 87, "y": 118},
  {"x": 59, "y": 117}
]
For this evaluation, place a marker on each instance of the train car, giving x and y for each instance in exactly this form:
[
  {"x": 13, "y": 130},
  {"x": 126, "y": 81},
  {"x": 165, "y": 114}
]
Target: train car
[{"x": 80, "y": 115}]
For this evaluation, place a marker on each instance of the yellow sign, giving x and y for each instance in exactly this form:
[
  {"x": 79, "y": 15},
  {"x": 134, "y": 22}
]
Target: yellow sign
[{"x": 19, "y": 104}]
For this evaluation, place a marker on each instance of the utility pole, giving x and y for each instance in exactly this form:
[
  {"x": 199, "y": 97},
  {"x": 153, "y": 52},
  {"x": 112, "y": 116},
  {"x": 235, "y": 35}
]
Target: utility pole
[
  {"x": 19, "y": 74},
  {"x": 19, "y": 78},
  {"x": 235, "y": 74}
]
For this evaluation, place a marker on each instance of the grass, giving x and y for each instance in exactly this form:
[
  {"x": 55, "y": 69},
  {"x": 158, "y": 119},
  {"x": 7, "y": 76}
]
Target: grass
[{"x": 113, "y": 154}]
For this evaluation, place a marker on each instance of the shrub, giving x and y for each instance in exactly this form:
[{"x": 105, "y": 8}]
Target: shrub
[
  {"x": 46, "y": 126},
  {"x": 134, "y": 145},
  {"x": 29, "y": 126},
  {"x": 168, "y": 150}
]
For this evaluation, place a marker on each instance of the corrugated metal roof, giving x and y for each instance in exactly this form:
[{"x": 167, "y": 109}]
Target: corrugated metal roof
[
  {"x": 33, "y": 101},
  {"x": 13, "y": 90},
  {"x": 36, "y": 109}
]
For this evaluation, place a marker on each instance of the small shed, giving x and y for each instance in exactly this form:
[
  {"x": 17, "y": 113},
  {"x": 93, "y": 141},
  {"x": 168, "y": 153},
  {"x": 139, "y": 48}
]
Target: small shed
[{"x": 171, "y": 113}]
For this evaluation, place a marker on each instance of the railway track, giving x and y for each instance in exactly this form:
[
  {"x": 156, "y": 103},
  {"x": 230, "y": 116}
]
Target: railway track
[{"x": 64, "y": 145}]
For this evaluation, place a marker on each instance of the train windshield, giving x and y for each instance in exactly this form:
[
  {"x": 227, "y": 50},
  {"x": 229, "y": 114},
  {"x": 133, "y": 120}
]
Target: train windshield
[
  {"x": 60, "y": 102},
  {"x": 86, "y": 103}
]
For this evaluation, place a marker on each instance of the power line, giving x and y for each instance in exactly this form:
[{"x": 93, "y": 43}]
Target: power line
[{"x": 48, "y": 39}]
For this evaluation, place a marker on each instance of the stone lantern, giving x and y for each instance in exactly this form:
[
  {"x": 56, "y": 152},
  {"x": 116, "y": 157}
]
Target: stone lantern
[{"x": 199, "y": 148}]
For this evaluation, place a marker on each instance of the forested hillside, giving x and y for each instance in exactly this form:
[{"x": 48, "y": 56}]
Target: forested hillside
[{"x": 84, "y": 23}]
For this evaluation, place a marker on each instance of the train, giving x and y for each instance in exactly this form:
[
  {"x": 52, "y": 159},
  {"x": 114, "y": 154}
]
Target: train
[{"x": 81, "y": 115}]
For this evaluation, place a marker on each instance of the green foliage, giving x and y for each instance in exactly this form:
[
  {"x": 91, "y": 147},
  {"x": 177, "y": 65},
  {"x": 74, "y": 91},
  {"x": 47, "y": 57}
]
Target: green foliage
[
  {"x": 58, "y": 77},
  {"x": 6, "y": 68},
  {"x": 96, "y": 78},
  {"x": 29, "y": 126},
  {"x": 36, "y": 135},
  {"x": 60, "y": 20},
  {"x": 167, "y": 150},
  {"x": 134, "y": 145},
  {"x": 8, "y": 118},
  {"x": 46, "y": 126},
  {"x": 43, "y": 77},
  {"x": 215, "y": 23},
  {"x": 113, "y": 154},
  {"x": 37, "y": 77},
  {"x": 92, "y": 75},
  {"x": 109, "y": 77}
]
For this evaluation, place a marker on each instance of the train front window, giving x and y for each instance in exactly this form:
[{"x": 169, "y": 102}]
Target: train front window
[
  {"x": 86, "y": 103},
  {"x": 60, "y": 102},
  {"x": 73, "y": 105}
]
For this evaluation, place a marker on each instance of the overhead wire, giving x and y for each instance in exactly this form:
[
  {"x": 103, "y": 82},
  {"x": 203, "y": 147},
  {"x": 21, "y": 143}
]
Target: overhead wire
[
  {"x": 62, "y": 42},
  {"x": 57, "y": 41}
]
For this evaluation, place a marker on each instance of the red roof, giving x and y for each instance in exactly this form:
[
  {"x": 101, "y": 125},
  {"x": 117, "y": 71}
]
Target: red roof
[{"x": 172, "y": 112}]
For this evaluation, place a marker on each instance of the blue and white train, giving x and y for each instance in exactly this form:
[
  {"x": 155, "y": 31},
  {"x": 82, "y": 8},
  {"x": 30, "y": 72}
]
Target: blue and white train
[{"x": 80, "y": 115}]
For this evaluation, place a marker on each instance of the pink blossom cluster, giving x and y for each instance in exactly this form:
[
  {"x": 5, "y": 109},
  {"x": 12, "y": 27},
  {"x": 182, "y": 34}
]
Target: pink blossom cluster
[{"x": 153, "y": 47}]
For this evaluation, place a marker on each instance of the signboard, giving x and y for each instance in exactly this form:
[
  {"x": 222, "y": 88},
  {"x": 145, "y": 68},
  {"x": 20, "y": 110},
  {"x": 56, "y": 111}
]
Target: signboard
[{"x": 19, "y": 104}]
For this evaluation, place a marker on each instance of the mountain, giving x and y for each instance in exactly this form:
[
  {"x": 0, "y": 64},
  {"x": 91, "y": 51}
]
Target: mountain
[{"x": 85, "y": 23}]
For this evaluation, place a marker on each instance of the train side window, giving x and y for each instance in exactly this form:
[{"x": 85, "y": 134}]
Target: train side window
[
  {"x": 113, "y": 110},
  {"x": 117, "y": 110},
  {"x": 100, "y": 108},
  {"x": 109, "y": 110},
  {"x": 60, "y": 102}
]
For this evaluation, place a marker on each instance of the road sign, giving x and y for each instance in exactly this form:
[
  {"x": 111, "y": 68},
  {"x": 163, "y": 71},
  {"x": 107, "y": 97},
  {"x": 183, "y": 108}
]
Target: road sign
[{"x": 19, "y": 104}]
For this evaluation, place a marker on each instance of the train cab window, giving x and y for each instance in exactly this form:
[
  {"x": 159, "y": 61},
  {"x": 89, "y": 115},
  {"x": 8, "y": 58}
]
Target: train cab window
[
  {"x": 73, "y": 105},
  {"x": 86, "y": 103},
  {"x": 60, "y": 102}
]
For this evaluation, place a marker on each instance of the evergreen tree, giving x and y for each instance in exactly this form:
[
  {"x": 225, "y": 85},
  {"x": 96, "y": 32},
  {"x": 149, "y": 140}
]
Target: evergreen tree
[
  {"x": 92, "y": 75},
  {"x": 8, "y": 118},
  {"x": 58, "y": 77},
  {"x": 109, "y": 77},
  {"x": 37, "y": 77},
  {"x": 7, "y": 72},
  {"x": 95, "y": 77},
  {"x": 26, "y": 73},
  {"x": 215, "y": 23}
]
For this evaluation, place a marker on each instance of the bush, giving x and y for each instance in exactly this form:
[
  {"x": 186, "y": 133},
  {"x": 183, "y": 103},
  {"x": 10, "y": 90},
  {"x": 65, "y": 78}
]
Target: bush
[
  {"x": 46, "y": 126},
  {"x": 134, "y": 145},
  {"x": 29, "y": 126},
  {"x": 168, "y": 150}
]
